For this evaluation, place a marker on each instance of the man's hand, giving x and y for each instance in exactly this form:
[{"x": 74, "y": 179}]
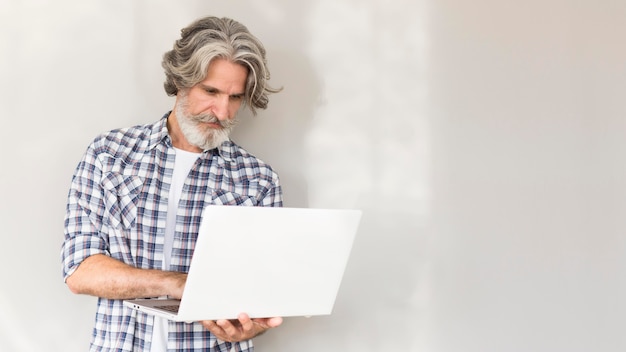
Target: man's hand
[{"x": 240, "y": 329}]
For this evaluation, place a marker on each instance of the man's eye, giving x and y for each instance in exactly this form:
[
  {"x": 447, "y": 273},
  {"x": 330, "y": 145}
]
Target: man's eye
[{"x": 236, "y": 97}]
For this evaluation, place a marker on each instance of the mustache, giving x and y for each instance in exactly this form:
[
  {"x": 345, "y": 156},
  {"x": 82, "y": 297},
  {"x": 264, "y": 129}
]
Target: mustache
[{"x": 210, "y": 118}]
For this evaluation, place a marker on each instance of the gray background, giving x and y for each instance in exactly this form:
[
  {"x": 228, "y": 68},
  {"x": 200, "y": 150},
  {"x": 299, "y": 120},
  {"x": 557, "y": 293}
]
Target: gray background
[{"x": 483, "y": 140}]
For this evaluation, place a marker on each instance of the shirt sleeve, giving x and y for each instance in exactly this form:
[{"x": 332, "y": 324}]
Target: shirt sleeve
[
  {"x": 274, "y": 195},
  {"x": 84, "y": 215}
]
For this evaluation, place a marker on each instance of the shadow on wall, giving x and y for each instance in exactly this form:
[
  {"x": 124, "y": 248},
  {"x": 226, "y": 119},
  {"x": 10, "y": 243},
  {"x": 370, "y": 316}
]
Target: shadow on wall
[{"x": 277, "y": 135}]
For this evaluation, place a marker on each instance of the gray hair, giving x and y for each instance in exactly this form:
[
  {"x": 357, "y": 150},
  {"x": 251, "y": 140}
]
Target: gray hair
[{"x": 209, "y": 38}]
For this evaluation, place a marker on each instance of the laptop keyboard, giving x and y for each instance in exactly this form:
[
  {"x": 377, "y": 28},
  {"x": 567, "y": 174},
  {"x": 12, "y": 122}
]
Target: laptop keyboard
[{"x": 169, "y": 308}]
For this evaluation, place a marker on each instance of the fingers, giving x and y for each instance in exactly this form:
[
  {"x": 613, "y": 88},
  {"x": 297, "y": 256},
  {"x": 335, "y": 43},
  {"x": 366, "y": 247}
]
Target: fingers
[
  {"x": 268, "y": 323},
  {"x": 245, "y": 321},
  {"x": 274, "y": 322},
  {"x": 214, "y": 328},
  {"x": 243, "y": 328},
  {"x": 232, "y": 330},
  {"x": 235, "y": 330}
]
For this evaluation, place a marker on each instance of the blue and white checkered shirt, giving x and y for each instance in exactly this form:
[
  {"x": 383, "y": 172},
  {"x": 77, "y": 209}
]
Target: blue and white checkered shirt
[{"x": 117, "y": 206}]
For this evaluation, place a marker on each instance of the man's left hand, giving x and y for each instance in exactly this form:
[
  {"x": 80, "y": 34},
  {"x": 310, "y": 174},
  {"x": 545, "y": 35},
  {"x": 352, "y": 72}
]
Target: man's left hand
[{"x": 243, "y": 328}]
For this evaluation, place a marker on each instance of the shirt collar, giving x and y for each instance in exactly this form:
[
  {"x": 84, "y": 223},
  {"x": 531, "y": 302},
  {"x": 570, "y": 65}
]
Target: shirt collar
[{"x": 160, "y": 134}]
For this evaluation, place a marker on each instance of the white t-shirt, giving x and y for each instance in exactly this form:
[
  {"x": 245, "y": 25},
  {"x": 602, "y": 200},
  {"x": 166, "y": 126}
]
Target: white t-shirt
[{"x": 182, "y": 165}]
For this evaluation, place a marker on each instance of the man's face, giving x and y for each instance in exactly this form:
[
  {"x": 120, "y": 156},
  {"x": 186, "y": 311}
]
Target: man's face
[{"x": 206, "y": 112}]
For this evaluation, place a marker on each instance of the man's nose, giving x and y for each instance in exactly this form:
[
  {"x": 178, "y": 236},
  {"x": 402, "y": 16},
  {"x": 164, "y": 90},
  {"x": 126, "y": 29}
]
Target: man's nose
[{"x": 220, "y": 107}]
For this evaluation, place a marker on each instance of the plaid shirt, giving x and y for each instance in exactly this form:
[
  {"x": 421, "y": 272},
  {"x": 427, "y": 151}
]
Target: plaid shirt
[{"x": 117, "y": 206}]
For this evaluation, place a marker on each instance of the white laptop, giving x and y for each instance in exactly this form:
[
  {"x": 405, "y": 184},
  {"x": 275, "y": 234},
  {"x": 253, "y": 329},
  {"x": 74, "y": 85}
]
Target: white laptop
[{"x": 263, "y": 261}]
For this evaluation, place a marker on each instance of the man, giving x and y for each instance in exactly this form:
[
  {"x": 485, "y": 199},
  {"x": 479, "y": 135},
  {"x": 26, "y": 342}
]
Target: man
[{"x": 136, "y": 198}]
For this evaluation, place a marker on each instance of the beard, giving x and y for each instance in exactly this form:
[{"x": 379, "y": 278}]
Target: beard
[{"x": 195, "y": 128}]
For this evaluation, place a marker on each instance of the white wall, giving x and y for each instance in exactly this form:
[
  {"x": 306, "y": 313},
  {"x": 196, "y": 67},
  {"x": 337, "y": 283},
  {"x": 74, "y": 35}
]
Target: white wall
[{"x": 482, "y": 139}]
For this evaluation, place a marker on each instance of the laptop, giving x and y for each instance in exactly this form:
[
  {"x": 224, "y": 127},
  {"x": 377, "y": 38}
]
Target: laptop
[{"x": 263, "y": 261}]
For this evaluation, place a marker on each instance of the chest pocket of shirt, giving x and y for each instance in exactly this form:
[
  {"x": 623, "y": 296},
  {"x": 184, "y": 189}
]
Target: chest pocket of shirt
[
  {"x": 221, "y": 197},
  {"x": 120, "y": 199}
]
